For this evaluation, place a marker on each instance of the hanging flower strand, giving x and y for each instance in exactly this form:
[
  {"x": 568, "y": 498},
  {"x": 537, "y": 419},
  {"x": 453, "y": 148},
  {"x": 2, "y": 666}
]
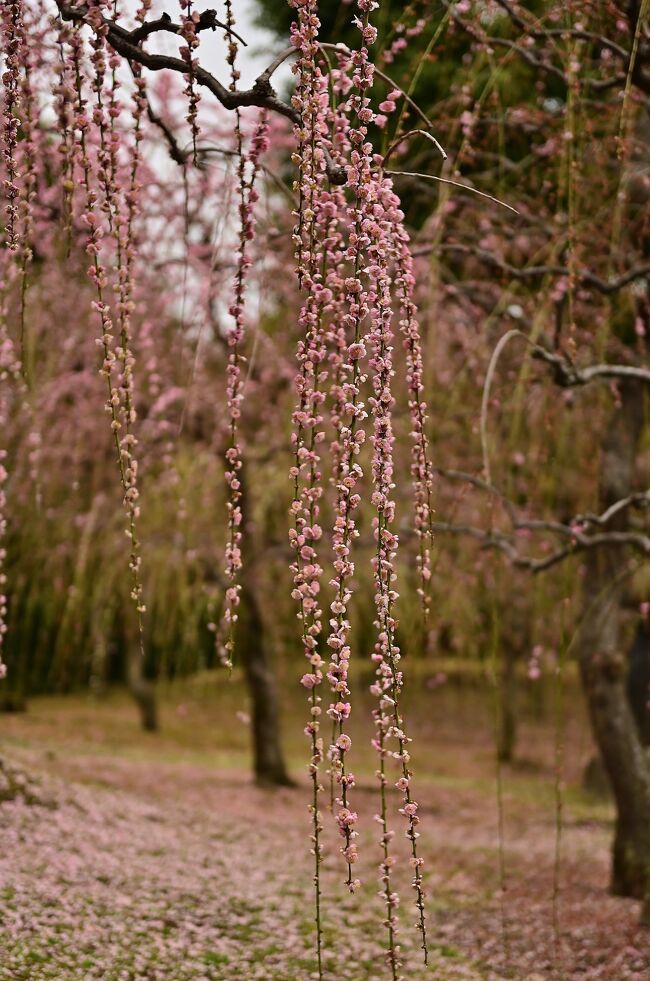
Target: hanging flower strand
[
  {"x": 387, "y": 653},
  {"x": 352, "y": 414},
  {"x": 421, "y": 469},
  {"x": 10, "y": 379},
  {"x": 64, "y": 101},
  {"x": 120, "y": 215},
  {"x": 189, "y": 20},
  {"x": 28, "y": 171},
  {"x": 337, "y": 341},
  {"x": 309, "y": 99},
  {"x": 97, "y": 275},
  {"x": 126, "y": 194},
  {"x": 382, "y": 439},
  {"x": 225, "y": 634},
  {"x": 14, "y": 54},
  {"x": 247, "y": 196}
]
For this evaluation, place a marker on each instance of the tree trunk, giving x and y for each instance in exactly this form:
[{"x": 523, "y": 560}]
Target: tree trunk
[
  {"x": 514, "y": 638},
  {"x": 269, "y": 763},
  {"x": 251, "y": 641},
  {"x": 142, "y": 689},
  {"x": 507, "y": 735},
  {"x": 603, "y": 664}
]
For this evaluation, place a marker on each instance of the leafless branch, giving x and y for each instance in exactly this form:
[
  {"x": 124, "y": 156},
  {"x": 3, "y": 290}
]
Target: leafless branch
[
  {"x": 568, "y": 375},
  {"x": 561, "y": 32},
  {"x": 128, "y": 44},
  {"x": 584, "y": 276},
  {"x": 641, "y": 500},
  {"x": 207, "y": 21},
  {"x": 576, "y": 531},
  {"x": 579, "y": 542},
  {"x": 528, "y": 54}
]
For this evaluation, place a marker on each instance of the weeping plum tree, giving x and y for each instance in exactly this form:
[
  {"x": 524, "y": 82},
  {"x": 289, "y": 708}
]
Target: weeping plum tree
[{"x": 89, "y": 66}]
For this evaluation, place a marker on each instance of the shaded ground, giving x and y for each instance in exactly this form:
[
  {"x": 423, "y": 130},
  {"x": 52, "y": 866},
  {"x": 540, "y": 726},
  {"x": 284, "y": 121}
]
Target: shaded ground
[{"x": 162, "y": 861}]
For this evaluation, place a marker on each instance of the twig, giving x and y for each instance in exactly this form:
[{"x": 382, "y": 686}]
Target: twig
[{"x": 446, "y": 180}]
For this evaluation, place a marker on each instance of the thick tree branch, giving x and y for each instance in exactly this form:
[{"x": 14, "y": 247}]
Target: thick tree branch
[
  {"x": 129, "y": 45},
  {"x": 207, "y": 21}
]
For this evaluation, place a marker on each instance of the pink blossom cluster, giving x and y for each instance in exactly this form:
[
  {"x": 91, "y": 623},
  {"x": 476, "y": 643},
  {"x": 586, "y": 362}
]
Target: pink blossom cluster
[
  {"x": 248, "y": 165},
  {"x": 313, "y": 217},
  {"x": 189, "y": 33},
  {"x": 403, "y": 35},
  {"x": 14, "y": 51},
  {"x": 93, "y": 166},
  {"x": 10, "y": 378}
]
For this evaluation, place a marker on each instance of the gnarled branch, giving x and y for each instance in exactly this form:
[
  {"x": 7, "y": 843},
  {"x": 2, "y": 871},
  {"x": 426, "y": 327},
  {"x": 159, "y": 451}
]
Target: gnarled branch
[{"x": 129, "y": 45}]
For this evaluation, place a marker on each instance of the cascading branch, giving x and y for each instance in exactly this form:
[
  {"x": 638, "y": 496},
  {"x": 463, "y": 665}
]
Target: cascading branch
[
  {"x": 10, "y": 377},
  {"x": 13, "y": 37},
  {"x": 189, "y": 21},
  {"x": 248, "y": 165},
  {"x": 363, "y": 254},
  {"x": 307, "y": 416},
  {"x": 94, "y": 166}
]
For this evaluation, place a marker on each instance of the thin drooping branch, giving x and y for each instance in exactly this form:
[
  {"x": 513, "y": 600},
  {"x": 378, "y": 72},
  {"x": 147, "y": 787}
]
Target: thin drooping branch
[{"x": 176, "y": 152}]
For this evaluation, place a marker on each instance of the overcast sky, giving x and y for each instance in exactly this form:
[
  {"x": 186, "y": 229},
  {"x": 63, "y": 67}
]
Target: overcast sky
[{"x": 262, "y": 45}]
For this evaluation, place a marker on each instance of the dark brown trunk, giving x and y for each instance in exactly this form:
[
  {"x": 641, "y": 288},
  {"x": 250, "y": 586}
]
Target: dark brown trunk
[
  {"x": 603, "y": 665},
  {"x": 142, "y": 690},
  {"x": 514, "y": 637},
  {"x": 269, "y": 763},
  {"x": 253, "y": 648},
  {"x": 507, "y": 735}
]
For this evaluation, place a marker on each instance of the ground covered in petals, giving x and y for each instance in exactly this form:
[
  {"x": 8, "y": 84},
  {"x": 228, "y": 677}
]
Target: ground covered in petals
[{"x": 162, "y": 864}]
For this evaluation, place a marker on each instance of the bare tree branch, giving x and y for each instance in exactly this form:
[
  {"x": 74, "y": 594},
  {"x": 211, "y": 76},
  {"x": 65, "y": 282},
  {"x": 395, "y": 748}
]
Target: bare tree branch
[
  {"x": 527, "y": 54},
  {"x": 128, "y": 44},
  {"x": 495, "y": 540},
  {"x": 576, "y": 530},
  {"x": 568, "y": 375},
  {"x": 640, "y": 500},
  {"x": 585, "y": 276}
]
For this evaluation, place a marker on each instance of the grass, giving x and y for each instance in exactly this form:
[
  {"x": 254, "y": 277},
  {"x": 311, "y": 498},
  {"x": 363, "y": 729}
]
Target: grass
[{"x": 204, "y": 720}]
